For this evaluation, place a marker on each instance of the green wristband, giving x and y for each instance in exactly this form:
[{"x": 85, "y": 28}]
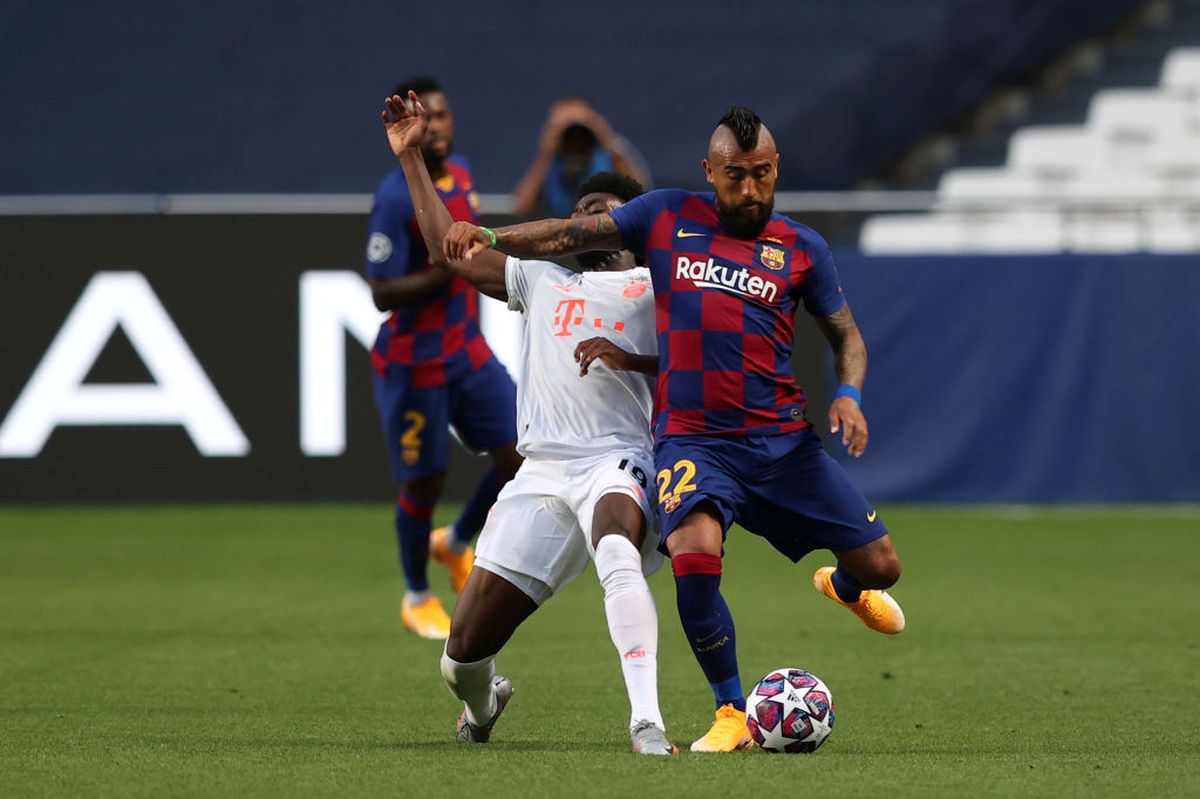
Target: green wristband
[{"x": 491, "y": 234}]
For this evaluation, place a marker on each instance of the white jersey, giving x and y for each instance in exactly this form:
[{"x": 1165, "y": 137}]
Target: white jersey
[{"x": 560, "y": 414}]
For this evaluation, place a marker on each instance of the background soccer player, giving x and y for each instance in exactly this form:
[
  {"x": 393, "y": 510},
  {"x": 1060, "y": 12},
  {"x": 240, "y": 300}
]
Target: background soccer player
[
  {"x": 432, "y": 369},
  {"x": 582, "y": 490},
  {"x": 731, "y": 439}
]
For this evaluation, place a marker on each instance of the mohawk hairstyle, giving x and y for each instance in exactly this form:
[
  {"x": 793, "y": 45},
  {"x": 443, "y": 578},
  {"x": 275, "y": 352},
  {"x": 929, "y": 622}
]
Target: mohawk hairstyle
[
  {"x": 421, "y": 84},
  {"x": 744, "y": 123},
  {"x": 621, "y": 186}
]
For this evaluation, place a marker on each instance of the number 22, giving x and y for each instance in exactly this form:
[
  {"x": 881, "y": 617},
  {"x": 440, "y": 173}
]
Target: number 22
[{"x": 683, "y": 485}]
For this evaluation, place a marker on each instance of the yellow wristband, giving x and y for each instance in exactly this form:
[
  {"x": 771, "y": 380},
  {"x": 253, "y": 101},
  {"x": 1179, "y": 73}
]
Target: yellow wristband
[{"x": 491, "y": 234}]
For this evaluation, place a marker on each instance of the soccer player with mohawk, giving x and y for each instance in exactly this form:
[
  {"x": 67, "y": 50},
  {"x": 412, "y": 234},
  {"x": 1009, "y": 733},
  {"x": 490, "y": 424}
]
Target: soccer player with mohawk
[{"x": 731, "y": 439}]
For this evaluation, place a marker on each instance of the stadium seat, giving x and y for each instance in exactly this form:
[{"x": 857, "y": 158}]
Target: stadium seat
[
  {"x": 1181, "y": 72},
  {"x": 910, "y": 234},
  {"x": 1003, "y": 232},
  {"x": 1114, "y": 189},
  {"x": 1056, "y": 152},
  {"x": 1140, "y": 114},
  {"x": 1099, "y": 231},
  {"x": 981, "y": 185},
  {"x": 1172, "y": 230},
  {"x": 1020, "y": 232},
  {"x": 1175, "y": 155}
]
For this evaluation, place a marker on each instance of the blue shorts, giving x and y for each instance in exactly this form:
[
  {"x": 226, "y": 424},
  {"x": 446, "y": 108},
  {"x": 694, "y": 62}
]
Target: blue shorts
[
  {"x": 785, "y": 488},
  {"x": 481, "y": 405}
]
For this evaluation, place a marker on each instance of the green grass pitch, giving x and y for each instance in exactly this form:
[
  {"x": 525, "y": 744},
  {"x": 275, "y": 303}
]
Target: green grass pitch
[{"x": 242, "y": 651}]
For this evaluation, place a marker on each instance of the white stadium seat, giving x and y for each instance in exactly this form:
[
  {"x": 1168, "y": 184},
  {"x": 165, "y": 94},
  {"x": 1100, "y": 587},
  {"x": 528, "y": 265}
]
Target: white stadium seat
[
  {"x": 983, "y": 233},
  {"x": 1181, "y": 71},
  {"x": 1103, "y": 231},
  {"x": 970, "y": 184},
  {"x": 1139, "y": 114},
  {"x": 1175, "y": 155},
  {"x": 910, "y": 234},
  {"x": 1014, "y": 233},
  {"x": 1173, "y": 230},
  {"x": 1056, "y": 152},
  {"x": 1113, "y": 189}
]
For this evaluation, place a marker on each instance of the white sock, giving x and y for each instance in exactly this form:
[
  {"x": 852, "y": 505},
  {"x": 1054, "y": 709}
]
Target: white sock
[
  {"x": 632, "y": 623},
  {"x": 454, "y": 543},
  {"x": 417, "y": 597},
  {"x": 472, "y": 683}
]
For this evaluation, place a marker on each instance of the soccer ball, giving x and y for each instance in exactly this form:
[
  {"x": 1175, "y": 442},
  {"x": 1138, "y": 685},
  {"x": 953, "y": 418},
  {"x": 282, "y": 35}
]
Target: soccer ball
[{"x": 790, "y": 710}]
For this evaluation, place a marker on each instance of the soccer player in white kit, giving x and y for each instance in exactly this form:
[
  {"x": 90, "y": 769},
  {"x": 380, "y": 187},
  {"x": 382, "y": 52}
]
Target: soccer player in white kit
[{"x": 581, "y": 493}]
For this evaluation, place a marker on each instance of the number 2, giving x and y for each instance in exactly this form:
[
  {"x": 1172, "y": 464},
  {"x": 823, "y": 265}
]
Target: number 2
[{"x": 411, "y": 439}]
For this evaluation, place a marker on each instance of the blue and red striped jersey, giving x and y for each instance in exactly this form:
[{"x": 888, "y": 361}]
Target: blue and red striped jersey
[
  {"x": 725, "y": 313},
  {"x": 440, "y": 338}
]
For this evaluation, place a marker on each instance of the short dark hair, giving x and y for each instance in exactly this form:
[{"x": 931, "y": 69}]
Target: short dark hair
[
  {"x": 421, "y": 84},
  {"x": 620, "y": 186},
  {"x": 744, "y": 123}
]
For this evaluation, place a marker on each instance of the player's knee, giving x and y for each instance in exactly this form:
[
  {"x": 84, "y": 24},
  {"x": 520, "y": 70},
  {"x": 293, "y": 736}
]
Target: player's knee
[
  {"x": 699, "y": 533},
  {"x": 464, "y": 644},
  {"x": 618, "y": 565},
  {"x": 427, "y": 488},
  {"x": 628, "y": 532},
  {"x": 507, "y": 461}
]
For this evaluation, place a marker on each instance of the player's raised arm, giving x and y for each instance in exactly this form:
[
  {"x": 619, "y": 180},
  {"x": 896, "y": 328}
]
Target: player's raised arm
[
  {"x": 405, "y": 121},
  {"x": 850, "y": 363},
  {"x": 543, "y": 239}
]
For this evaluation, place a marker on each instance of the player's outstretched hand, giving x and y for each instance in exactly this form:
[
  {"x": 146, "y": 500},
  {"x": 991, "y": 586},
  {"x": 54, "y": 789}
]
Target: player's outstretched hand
[
  {"x": 845, "y": 415},
  {"x": 464, "y": 241},
  {"x": 405, "y": 121},
  {"x": 609, "y": 354}
]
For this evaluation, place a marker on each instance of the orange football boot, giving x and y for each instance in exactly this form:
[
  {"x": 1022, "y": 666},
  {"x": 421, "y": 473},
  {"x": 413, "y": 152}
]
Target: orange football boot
[
  {"x": 459, "y": 563},
  {"x": 427, "y": 619},
  {"x": 728, "y": 732},
  {"x": 876, "y": 608}
]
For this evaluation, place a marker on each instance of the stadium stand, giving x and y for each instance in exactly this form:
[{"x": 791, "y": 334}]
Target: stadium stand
[
  {"x": 846, "y": 86},
  {"x": 1126, "y": 179}
]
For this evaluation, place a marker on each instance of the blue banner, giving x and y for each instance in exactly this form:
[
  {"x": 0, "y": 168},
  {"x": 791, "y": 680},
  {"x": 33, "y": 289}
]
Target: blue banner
[{"x": 1033, "y": 379}]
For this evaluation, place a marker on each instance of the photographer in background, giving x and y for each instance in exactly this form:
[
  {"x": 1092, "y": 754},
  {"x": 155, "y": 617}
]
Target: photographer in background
[{"x": 576, "y": 143}]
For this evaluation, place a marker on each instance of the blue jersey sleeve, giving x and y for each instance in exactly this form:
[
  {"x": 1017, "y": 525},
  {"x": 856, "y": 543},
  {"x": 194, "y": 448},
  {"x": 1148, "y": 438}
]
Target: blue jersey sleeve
[
  {"x": 822, "y": 291},
  {"x": 636, "y": 217},
  {"x": 388, "y": 245}
]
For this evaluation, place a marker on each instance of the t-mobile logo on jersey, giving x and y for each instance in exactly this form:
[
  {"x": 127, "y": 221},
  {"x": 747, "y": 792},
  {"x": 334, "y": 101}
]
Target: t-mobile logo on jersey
[
  {"x": 567, "y": 313},
  {"x": 711, "y": 275}
]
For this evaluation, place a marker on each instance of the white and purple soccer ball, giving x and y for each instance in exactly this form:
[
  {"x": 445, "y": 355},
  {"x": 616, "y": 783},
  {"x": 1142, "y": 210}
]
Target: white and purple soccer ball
[{"x": 790, "y": 710}]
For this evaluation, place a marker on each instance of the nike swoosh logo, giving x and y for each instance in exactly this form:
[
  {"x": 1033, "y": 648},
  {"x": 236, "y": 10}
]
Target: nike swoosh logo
[
  {"x": 871, "y": 517},
  {"x": 709, "y": 636},
  {"x": 679, "y": 234}
]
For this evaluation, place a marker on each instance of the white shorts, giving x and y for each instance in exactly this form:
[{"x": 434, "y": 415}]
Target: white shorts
[{"x": 538, "y": 535}]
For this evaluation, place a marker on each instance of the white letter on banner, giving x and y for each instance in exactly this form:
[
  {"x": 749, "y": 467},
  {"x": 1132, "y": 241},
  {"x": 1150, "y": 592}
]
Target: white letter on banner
[
  {"x": 331, "y": 303},
  {"x": 504, "y": 331},
  {"x": 180, "y": 394}
]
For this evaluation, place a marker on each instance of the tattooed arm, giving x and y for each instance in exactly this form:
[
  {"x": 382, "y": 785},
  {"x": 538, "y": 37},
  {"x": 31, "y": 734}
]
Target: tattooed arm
[
  {"x": 850, "y": 362},
  {"x": 544, "y": 239}
]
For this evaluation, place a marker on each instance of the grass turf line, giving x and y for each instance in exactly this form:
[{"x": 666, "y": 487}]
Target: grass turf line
[{"x": 256, "y": 650}]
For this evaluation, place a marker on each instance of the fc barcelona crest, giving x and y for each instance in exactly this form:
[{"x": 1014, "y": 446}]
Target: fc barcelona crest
[{"x": 774, "y": 258}]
